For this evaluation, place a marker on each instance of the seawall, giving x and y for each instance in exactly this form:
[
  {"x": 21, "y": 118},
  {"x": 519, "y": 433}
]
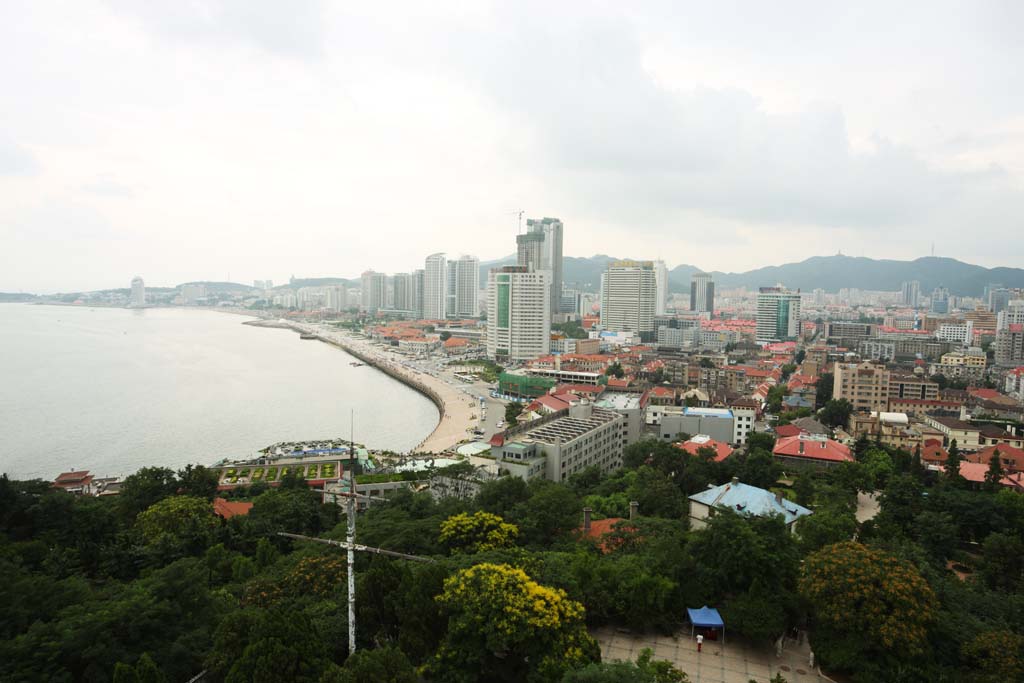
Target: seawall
[{"x": 444, "y": 435}]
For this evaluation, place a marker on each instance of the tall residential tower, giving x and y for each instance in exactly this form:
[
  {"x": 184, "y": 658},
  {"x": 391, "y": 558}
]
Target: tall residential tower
[
  {"x": 778, "y": 314},
  {"x": 702, "y": 293},
  {"x": 435, "y": 287},
  {"x": 518, "y": 313},
  {"x": 628, "y": 293}
]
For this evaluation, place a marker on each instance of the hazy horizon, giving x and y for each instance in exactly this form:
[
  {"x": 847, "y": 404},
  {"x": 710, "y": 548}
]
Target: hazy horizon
[{"x": 245, "y": 139}]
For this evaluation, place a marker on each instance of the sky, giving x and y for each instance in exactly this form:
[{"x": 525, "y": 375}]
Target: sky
[{"x": 255, "y": 139}]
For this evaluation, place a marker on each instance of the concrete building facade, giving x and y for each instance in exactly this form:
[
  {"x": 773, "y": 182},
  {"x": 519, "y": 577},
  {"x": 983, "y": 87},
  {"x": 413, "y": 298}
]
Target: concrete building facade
[
  {"x": 628, "y": 294},
  {"x": 518, "y": 313},
  {"x": 778, "y": 314}
]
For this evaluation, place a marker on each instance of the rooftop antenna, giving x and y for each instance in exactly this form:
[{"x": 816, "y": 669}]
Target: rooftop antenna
[{"x": 519, "y": 217}]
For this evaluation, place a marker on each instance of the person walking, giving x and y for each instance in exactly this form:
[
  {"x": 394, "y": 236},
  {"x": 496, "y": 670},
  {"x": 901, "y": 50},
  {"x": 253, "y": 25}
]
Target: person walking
[{"x": 700, "y": 641}]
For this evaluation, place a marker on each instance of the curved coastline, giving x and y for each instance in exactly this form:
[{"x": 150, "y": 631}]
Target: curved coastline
[{"x": 454, "y": 411}]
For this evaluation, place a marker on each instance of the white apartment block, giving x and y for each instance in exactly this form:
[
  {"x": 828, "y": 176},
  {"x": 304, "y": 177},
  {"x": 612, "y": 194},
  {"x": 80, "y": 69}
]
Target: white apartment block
[
  {"x": 628, "y": 294},
  {"x": 435, "y": 287},
  {"x": 518, "y": 313}
]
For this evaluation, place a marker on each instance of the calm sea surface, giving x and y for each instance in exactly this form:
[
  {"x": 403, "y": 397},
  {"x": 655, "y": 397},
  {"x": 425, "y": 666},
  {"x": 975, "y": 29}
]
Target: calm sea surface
[{"x": 113, "y": 390}]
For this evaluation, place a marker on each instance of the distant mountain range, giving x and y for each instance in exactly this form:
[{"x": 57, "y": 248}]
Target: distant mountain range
[{"x": 830, "y": 273}]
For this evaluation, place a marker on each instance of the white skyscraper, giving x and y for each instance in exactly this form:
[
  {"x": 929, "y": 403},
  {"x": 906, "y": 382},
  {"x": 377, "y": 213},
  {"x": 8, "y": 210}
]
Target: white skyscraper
[
  {"x": 435, "y": 287},
  {"x": 778, "y": 314},
  {"x": 702, "y": 293},
  {"x": 628, "y": 293},
  {"x": 518, "y": 313},
  {"x": 661, "y": 280},
  {"x": 463, "y": 288},
  {"x": 138, "y": 295},
  {"x": 910, "y": 293}
]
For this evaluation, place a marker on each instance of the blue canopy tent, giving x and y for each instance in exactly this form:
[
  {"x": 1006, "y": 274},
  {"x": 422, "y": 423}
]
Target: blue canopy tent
[{"x": 706, "y": 617}]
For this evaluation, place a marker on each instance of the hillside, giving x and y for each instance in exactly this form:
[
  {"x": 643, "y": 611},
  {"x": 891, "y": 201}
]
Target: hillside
[{"x": 832, "y": 273}]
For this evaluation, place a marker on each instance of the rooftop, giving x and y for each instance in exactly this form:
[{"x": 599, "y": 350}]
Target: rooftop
[
  {"x": 228, "y": 509},
  {"x": 693, "y": 446},
  {"x": 812, "y": 447},
  {"x": 567, "y": 428},
  {"x": 619, "y": 401},
  {"x": 750, "y": 500},
  {"x": 724, "y": 413}
]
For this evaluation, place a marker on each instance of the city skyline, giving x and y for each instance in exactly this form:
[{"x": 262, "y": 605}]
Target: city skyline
[{"x": 234, "y": 151}]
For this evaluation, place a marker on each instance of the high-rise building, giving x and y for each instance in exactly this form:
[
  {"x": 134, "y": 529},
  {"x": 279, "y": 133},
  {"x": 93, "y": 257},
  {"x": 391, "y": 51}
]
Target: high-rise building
[
  {"x": 661, "y": 282},
  {"x": 337, "y": 298},
  {"x": 463, "y": 299},
  {"x": 1013, "y": 314},
  {"x": 819, "y": 297},
  {"x": 998, "y": 299},
  {"x": 778, "y": 314},
  {"x": 910, "y": 293},
  {"x": 530, "y": 249},
  {"x": 403, "y": 285},
  {"x": 541, "y": 249},
  {"x": 702, "y": 293},
  {"x": 418, "y": 278},
  {"x": 374, "y": 291},
  {"x": 518, "y": 313},
  {"x": 628, "y": 293},
  {"x": 138, "y": 296},
  {"x": 435, "y": 287},
  {"x": 940, "y": 300}
]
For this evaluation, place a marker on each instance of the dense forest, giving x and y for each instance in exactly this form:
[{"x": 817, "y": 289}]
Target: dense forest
[{"x": 150, "y": 585}]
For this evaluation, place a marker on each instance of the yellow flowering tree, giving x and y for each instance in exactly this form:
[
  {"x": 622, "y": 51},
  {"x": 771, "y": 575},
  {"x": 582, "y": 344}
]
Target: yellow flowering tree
[
  {"x": 477, "y": 532},
  {"x": 504, "y": 626},
  {"x": 867, "y": 604}
]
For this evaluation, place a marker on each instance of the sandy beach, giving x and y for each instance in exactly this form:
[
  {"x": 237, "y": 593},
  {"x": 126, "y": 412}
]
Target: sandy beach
[{"x": 459, "y": 412}]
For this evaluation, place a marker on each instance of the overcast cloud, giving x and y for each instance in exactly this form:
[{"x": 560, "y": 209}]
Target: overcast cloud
[{"x": 256, "y": 139}]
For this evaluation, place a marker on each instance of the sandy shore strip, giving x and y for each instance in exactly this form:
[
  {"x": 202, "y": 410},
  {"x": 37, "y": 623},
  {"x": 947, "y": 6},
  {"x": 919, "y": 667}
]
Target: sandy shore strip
[{"x": 459, "y": 412}]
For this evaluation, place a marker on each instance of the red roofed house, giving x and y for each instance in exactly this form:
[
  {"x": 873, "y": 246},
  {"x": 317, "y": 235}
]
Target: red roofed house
[
  {"x": 1011, "y": 458},
  {"x": 701, "y": 441},
  {"x": 599, "y": 530},
  {"x": 228, "y": 509},
  {"x": 811, "y": 449},
  {"x": 788, "y": 430},
  {"x": 456, "y": 345},
  {"x": 75, "y": 482},
  {"x": 932, "y": 453}
]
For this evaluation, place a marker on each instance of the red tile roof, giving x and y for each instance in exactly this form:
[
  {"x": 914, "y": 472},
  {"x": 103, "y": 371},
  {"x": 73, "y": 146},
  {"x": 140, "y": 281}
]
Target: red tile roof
[
  {"x": 933, "y": 451},
  {"x": 984, "y": 393},
  {"x": 722, "y": 450},
  {"x": 788, "y": 430},
  {"x": 601, "y": 528},
  {"x": 229, "y": 509},
  {"x": 72, "y": 477},
  {"x": 803, "y": 446}
]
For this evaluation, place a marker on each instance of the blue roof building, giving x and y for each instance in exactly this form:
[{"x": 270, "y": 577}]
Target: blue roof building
[{"x": 743, "y": 499}]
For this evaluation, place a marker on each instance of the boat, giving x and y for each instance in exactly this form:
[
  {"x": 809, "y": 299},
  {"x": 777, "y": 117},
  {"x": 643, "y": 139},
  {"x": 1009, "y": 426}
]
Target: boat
[
  {"x": 307, "y": 335},
  {"x": 357, "y": 365}
]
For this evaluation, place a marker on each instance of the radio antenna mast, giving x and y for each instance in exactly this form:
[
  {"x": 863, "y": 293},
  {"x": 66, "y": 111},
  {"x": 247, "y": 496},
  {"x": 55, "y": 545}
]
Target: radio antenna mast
[{"x": 350, "y": 537}]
